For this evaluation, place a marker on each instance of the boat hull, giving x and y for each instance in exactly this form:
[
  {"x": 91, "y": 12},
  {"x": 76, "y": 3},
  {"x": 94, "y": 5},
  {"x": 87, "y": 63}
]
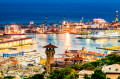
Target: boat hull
[{"x": 112, "y": 37}]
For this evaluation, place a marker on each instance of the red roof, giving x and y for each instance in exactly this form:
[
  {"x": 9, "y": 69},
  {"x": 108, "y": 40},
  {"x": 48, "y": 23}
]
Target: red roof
[
  {"x": 58, "y": 58},
  {"x": 77, "y": 58},
  {"x": 50, "y": 46}
]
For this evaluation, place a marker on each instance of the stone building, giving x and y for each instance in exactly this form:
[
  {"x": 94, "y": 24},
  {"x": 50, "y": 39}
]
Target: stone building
[{"x": 112, "y": 71}]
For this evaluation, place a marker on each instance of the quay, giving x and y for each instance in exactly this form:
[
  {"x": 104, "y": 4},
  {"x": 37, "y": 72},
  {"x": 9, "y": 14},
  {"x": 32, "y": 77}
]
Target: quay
[
  {"x": 114, "y": 48},
  {"x": 43, "y": 23},
  {"x": 16, "y": 42}
]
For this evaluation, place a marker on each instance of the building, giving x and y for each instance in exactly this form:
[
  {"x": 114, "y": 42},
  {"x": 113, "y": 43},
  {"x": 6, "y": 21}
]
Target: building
[
  {"x": 98, "y": 21},
  {"x": 112, "y": 71},
  {"x": 15, "y": 42},
  {"x": 77, "y": 60},
  {"x": 50, "y": 52},
  {"x": 83, "y": 72}
]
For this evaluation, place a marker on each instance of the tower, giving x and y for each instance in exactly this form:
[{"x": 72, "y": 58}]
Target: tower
[
  {"x": 50, "y": 52},
  {"x": 116, "y": 16}
]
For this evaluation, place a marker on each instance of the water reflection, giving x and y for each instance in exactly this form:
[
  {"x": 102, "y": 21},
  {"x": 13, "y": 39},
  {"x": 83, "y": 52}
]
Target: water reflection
[
  {"x": 64, "y": 41},
  {"x": 67, "y": 41}
]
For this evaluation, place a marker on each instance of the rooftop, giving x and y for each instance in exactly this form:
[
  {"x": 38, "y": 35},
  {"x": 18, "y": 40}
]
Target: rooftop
[
  {"x": 77, "y": 58},
  {"x": 115, "y": 68},
  {"x": 50, "y": 46},
  {"x": 85, "y": 72}
]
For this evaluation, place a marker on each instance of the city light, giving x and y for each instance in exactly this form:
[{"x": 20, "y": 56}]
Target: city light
[{"x": 52, "y": 40}]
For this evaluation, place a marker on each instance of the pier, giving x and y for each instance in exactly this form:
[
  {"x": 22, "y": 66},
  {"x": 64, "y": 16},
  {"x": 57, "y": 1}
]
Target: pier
[{"x": 114, "y": 48}]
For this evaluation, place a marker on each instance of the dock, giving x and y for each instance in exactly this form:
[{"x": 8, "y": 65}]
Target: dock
[{"x": 114, "y": 48}]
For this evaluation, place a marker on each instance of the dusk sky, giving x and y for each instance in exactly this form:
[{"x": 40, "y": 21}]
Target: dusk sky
[{"x": 56, "y": 1}]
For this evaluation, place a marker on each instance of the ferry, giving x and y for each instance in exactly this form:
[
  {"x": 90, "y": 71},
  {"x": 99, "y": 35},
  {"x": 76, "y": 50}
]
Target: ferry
[{"x": 102, "y": 35}]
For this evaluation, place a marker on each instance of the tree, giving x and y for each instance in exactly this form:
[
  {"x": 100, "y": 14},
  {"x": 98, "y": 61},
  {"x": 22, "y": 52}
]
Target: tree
[
  {"x": 37, "y": 76},
  {"x": 59, "y": 74},
  {"x": 97, "y": 63},
  {"x": 9, "y": 77},
  {"x": 86, "y": 76},
  {"x": 87, "y": 66},
  {"x": 98, "y": 74},
  {"x": 114, "y": 57},
  {"x": 55, "y": 74},
  {"x": 118, "y": 77},
  {"x": 76, "y": 67},
  {"x": 73, "y": 75}
]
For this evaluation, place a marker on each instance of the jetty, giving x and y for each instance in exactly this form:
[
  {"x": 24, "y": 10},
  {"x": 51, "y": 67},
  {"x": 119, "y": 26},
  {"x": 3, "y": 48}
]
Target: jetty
[{"x": 114, "y": 48}]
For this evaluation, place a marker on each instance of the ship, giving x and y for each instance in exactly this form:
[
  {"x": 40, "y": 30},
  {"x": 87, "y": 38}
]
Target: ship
[
  {"x": 13, "y": 30},
  {"x": 82, "y": 37},
  {"x": 102, "y": 35}
]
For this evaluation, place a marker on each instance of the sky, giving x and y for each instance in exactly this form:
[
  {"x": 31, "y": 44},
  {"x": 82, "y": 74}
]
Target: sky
[{"x": 56, "y": 1}]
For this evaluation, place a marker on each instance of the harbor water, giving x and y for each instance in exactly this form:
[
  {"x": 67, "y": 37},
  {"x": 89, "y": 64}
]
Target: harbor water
[{"x": 70, "y": 42}]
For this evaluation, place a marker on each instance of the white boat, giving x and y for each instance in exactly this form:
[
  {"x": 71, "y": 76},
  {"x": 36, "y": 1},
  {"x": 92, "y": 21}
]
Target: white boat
[{"x": 102, "y": 35}]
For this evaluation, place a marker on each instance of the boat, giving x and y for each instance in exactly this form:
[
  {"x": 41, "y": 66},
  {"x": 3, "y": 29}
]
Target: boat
[
  {"x": 118, "y": 40},
  {"x": 82, "y": 37},
  {"x": 12, "y": 54},
  {"x": 102, "y": 35}
]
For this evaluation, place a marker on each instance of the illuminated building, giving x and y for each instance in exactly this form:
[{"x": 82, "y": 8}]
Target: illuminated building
[
  {"x": 98, "y": 20},
  {"x": 31, "y": 22},
  {"x": 16, "y": 42},
  {"x": 13, "y": 30}
]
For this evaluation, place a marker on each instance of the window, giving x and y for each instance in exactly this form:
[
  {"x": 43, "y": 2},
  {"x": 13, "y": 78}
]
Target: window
[
  {"x": 116, "y": 70},
  {"x": 51, "y": 54},
  {"x": 47, "y": 54},
  {"x": 109, "y": 68}
]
